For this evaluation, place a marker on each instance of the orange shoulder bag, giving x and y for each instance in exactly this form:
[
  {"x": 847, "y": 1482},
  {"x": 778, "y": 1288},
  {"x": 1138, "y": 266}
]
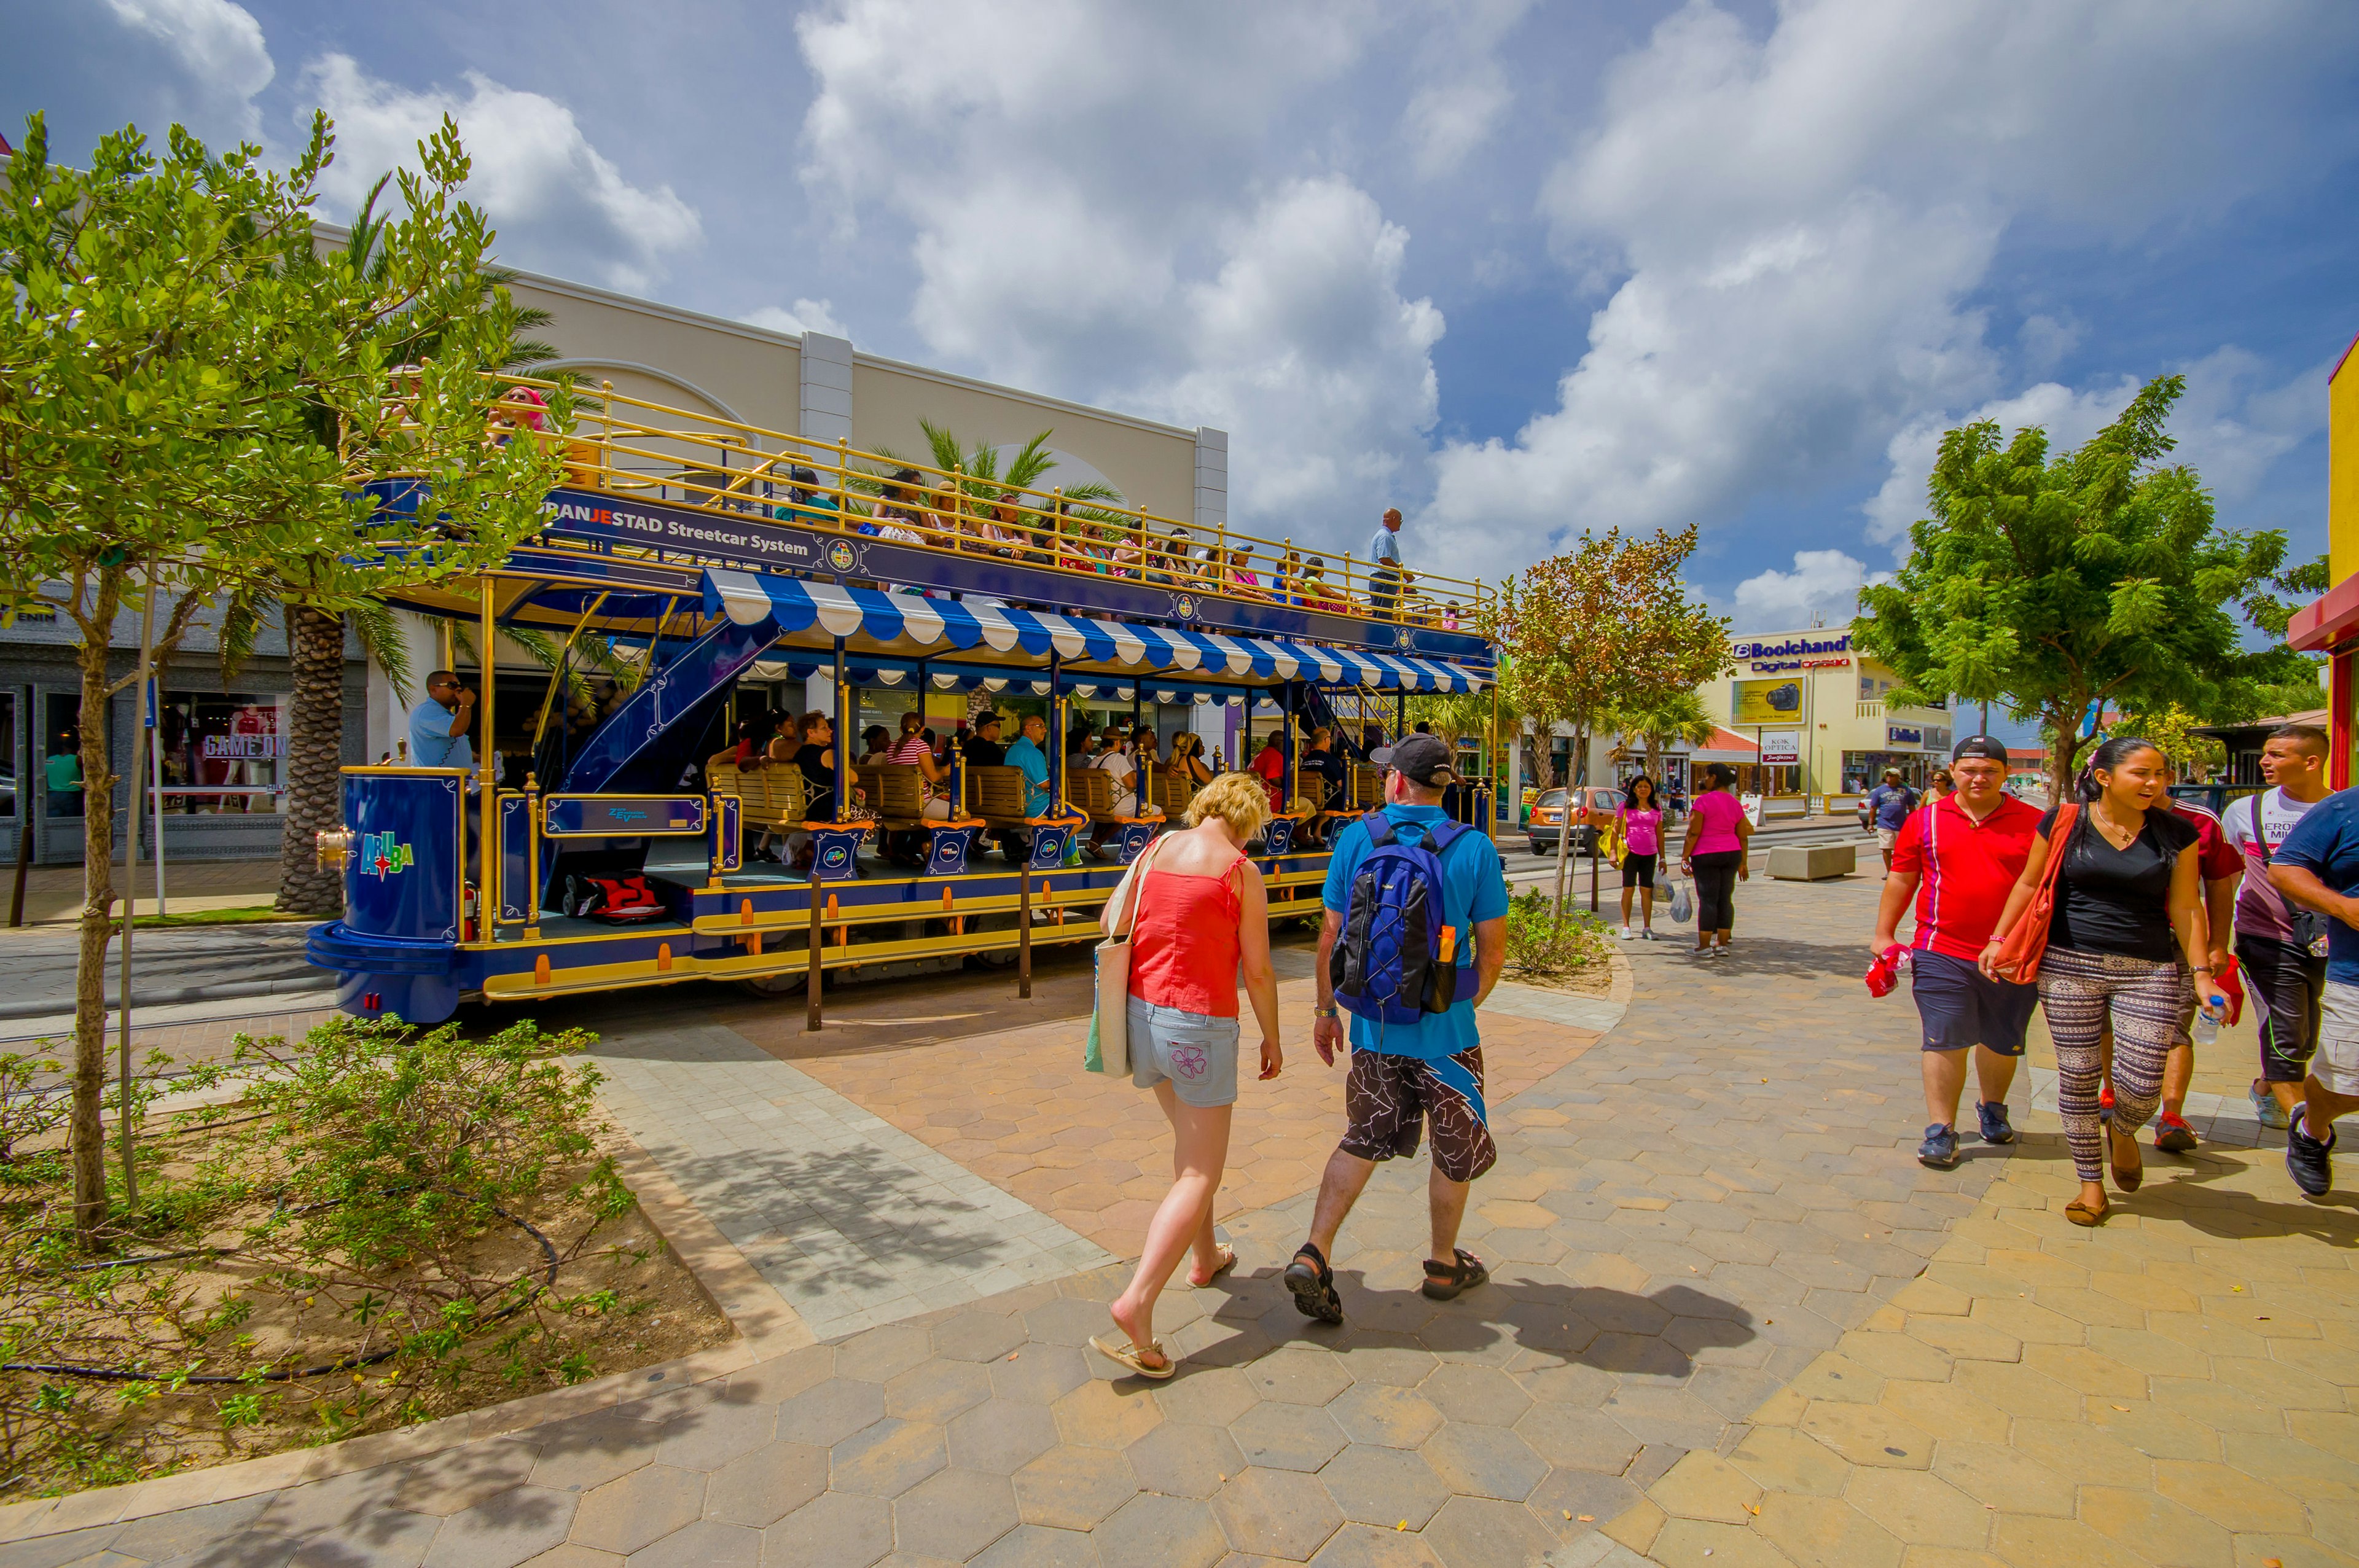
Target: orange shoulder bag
[{"x": 2019, "y": 955}]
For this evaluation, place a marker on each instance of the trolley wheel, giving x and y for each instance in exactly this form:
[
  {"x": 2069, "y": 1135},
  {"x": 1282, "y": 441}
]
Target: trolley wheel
[{"x": 788, "y": 984}]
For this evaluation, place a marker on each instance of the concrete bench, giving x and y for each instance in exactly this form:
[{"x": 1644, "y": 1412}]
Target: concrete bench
[{"x": 1813, "y": 862}]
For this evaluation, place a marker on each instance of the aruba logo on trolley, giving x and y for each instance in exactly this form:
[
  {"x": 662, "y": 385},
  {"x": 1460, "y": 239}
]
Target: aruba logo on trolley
[{"x": 381, "y": 856}]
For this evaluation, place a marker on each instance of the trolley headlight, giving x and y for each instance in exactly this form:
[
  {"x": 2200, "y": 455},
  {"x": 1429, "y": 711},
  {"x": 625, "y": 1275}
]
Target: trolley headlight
[{"x": 334, "y": 847}]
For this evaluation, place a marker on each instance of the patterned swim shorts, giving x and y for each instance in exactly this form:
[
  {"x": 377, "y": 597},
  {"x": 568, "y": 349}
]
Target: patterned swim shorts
[{"x": 1388, "y": 1099}]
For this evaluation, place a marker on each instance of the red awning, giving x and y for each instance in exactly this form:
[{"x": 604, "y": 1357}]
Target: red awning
[{"x": 2332, "y": 619}]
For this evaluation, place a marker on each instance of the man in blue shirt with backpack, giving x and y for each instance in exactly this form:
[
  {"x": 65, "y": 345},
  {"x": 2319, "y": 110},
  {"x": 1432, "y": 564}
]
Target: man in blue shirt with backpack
[{"x": 1414, "y": 937}]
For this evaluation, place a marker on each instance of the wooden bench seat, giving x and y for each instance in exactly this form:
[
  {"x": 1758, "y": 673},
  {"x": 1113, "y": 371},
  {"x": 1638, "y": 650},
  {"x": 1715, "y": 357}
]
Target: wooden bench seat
[
  {"x": 772, "y": 796},
  {"x": 1170, "y": 791},
  {"x": 1090, "y": 792}
]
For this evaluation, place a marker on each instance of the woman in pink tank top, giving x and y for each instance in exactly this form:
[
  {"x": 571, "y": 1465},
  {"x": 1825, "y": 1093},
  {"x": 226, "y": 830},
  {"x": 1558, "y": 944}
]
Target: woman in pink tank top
[{"x": 1199, "y": 919}]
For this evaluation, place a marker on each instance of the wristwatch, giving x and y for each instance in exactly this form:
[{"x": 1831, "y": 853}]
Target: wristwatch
[{"x": 1324, "y": 1013}]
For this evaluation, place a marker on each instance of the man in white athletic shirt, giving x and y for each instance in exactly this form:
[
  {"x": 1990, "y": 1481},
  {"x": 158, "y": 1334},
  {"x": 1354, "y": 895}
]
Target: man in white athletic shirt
[{"x": 2285, "y": 979}]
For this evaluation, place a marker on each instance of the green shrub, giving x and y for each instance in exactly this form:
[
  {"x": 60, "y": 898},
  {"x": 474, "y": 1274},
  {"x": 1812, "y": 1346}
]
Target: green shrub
[
  {"x": 379, "y": 1215},
  {"x": 1540, "y": 942}
]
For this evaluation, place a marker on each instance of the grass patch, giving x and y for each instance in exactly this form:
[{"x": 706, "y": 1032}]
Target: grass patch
[
  {"x": 1544, "y": 944},
  {"x": 245, "y": 914}
]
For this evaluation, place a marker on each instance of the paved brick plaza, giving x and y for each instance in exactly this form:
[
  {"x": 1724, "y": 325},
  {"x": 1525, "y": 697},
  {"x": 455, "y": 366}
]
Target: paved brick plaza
[{"x": 1733, "y": 1316}]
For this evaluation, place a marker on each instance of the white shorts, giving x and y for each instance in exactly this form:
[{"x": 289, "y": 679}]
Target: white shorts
[
  {"x": 2336, "y": 1066},
  {"x": 1886, "y": 838}
]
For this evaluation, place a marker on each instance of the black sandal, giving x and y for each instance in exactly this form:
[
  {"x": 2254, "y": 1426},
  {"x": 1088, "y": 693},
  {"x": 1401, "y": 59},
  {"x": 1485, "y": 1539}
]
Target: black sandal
[
  {"x": 1312, "y": 1284},
  {"x": 1443, "y": 1282}
]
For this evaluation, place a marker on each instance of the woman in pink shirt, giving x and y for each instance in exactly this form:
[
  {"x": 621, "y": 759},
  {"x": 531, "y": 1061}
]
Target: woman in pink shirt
[
  {"x": 1642, "y": 838},
  {"x": 1715, "y": 856}
]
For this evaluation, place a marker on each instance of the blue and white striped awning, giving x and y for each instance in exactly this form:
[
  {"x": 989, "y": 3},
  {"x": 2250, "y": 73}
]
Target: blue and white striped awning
[{"x": 909, "y": 623}]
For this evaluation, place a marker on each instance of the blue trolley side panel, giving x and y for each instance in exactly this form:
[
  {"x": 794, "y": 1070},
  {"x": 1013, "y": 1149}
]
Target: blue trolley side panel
[{"x": 403, "y": 878}]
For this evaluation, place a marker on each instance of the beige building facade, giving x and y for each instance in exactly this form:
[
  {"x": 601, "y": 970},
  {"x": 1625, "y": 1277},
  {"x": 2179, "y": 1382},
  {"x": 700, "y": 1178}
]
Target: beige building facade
[{"x": 1818, "y": 709}]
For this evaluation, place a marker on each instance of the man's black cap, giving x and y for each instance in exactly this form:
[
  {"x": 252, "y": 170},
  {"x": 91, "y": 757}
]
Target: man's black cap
[
  {"x": 1989, "y": 746},
  {"x": 1422, "y": 759},
  {"x": 985, "y": 717}
]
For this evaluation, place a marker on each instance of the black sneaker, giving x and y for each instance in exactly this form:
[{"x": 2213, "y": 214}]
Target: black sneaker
[
  {"x": 1312, "y": 1283},
  {"x": 1939, "y": 1150},
  {"x": 1995, "y": 1128},
  {"x": 2310, "y": 1161}
]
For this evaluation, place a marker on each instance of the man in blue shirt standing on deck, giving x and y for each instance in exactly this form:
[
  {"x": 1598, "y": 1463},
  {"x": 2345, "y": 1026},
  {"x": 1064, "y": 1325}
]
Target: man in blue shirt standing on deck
[
  {"x": 1384, "y": 581},
  {"x": 438, "y": 726},
  {"x": 1404, "y": 1074}
]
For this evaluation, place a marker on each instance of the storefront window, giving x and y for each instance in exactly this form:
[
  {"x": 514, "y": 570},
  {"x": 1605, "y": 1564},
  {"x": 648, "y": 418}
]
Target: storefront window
[
  {"x": 223, "y": 752},
  {"x": 1862, "y": 771}
]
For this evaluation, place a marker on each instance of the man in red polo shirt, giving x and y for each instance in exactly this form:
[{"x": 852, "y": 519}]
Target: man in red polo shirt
[{"x": 1958, "y": 859}]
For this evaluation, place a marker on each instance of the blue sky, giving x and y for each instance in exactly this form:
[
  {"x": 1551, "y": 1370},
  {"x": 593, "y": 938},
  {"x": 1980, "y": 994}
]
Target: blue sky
[{"x": 1518, "y": 269}]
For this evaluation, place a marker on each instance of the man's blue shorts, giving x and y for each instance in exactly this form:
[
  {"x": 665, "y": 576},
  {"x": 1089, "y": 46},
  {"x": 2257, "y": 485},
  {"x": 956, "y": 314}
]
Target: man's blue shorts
[{"x": 1960, "y": 1008}]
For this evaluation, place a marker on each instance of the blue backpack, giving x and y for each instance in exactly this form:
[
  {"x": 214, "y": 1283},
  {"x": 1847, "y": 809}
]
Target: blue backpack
[{"x": 1389, "y": 965}]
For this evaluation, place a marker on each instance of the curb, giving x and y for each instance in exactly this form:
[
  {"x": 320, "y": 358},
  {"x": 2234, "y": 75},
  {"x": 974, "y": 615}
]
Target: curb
[
  {"x": 228, "y": 991},
  {"x": 765, "y": 1327}
]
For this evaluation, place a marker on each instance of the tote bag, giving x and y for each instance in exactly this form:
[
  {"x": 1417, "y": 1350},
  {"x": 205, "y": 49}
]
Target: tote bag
[
  {"x": 2019, "y": 955},
  {"x": 1109, "y": 1047}
]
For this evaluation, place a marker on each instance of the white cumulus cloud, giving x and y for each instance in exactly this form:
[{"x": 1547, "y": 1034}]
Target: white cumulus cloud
[
  {"x": 560, "y": 204},
  {"x": 1090, "y": 203},
  {"x": 1822, "y": 588},
  {"x": 808, "y": 315},
  {"x": 1791, "y": 223}
]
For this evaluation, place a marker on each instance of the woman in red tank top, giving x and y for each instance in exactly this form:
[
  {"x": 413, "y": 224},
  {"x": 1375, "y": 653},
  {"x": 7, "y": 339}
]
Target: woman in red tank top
[{"x": 1198, "y": 920}]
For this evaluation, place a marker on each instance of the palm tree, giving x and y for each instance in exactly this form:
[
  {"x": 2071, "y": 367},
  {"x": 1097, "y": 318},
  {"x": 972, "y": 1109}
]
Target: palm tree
[
  {"x": 1661, "y": 717},
  {"x": 315, "y": 635}
]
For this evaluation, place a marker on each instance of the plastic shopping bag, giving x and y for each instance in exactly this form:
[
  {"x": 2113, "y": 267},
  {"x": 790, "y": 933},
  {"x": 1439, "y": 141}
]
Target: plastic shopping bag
[{"x": 1682, "y": 903}]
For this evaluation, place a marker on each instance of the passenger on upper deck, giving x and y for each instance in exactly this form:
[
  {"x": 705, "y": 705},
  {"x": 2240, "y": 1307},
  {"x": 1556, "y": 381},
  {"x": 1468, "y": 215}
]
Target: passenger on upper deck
[
  {"x": 807, "y": 502},
  {"x": 1384, "y": 581},
  {"x": 897, "y": 516}
]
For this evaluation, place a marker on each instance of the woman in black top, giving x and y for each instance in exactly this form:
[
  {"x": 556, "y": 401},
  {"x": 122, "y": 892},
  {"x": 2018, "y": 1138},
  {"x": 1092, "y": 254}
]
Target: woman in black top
[{"x": 2127, "y": 935}]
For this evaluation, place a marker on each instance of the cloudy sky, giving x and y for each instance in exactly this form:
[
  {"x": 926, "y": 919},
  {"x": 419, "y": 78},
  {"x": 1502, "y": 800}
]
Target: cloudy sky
[{"x": 1521, "y": 270}]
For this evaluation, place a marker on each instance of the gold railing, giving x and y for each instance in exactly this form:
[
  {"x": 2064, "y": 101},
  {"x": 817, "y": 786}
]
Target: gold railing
[{"x": 622, "y": 446}]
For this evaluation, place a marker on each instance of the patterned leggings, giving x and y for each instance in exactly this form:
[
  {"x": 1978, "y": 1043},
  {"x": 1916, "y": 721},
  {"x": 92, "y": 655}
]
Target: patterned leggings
[{"x": 2076, "y": 991}]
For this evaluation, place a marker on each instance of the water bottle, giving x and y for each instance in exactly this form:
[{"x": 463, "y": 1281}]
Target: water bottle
[{"x": 2207, "y": 1025}]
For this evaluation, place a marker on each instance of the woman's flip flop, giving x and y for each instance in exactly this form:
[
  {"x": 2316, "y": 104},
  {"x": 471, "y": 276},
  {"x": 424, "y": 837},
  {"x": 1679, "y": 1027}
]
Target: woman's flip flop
[
  {"x": 1132, "y": 1356},
  {"x": 1228, "y": 1261}
]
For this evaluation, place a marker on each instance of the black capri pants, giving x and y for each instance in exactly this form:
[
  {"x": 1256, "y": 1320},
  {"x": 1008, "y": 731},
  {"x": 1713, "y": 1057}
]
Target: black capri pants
[
  {"x": 1639, "y": 870},
  {"x": 1715, "y": 880}
]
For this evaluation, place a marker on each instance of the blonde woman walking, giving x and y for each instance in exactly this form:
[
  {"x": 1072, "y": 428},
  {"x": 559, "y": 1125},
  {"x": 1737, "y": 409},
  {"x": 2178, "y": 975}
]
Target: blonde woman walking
[{"x": 1202, "y": 923}]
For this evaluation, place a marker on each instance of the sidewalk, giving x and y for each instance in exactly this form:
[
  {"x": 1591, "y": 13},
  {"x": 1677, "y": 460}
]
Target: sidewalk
[
  {"x": 1723, "y": 1284},
  {"x": 53, "y": 893}
]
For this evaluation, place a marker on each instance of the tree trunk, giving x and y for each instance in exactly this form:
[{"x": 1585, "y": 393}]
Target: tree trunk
[
  {"x": 1564, "y": 822},
  {"x": 86, "y": 1132},
  {"x": 315, "y": 654}
]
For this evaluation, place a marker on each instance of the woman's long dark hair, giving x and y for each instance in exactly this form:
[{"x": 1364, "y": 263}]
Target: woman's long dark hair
[
  {"x": 1630, "y": 794},
  {"x": 2109, "y": 755}
]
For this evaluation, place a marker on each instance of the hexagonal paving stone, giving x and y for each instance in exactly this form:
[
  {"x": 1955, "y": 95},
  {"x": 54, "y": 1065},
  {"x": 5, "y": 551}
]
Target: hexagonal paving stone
[
  {"x": 709, "y": 1438},
  {"x": 1365, "y": 1546},
  {"x": 707, "y": 1543},
  {"x": 519, "y": 1523},
  {"x": 834, "y": 1529},
  {"x": 1373, "y": 1356},
  {"x": 1037, "y": 1546},
  {"x": 1388, "y": 1416},
  {"x": 1918, "y": 1508},
  {"x": 887, "y": 1458},
  {"x": 880, "y": 1355},
  {"x": 1480, "y": 1394},
  {"x": 1383, "y": 1486},
  {"x": 590, "y": 1450},
  {"x": 1705, "y": 1486},
  {"x": 954, "y": 1514},
  {"x": 1205, "y": 1395},
  {"x": 1149, "y": 1532},
  {"x": 1299, "y": 1375},
  {"x": 1286, "y": 1437},
  {"x": 826, "y": 1413},
  {"x": 1066, "y": 1321},
  {"x": 937, "y": 1391},
  {"x": 638, "y": 1509},
  {"x": 1567, "y": 1494},
  {"x": 1483, "y": 1462},
  {"x": 1825, "y": 1532},
  {"x": 1000, "y": 1436},
  {"x": 1481, "y": 1533},
  {"x": 1101, "y": 1414},
  {"x": 1181, "y": 1460},
  {"x": 1040, "y": 1374},
  {"x": 1275, "y": 1513},
  {"x": 1073, "y": 1488},
  {"x": 979, "y": 1337},
  {"x": 763, "y": 1487}
]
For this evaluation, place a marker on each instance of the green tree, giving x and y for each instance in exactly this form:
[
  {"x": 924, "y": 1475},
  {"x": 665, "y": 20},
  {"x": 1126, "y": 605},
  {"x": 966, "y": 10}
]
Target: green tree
[
  {"x": 2049, "y": 582},
  {"x": 1607, "y": 625},
  {"x": 172, "y": 349}
]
